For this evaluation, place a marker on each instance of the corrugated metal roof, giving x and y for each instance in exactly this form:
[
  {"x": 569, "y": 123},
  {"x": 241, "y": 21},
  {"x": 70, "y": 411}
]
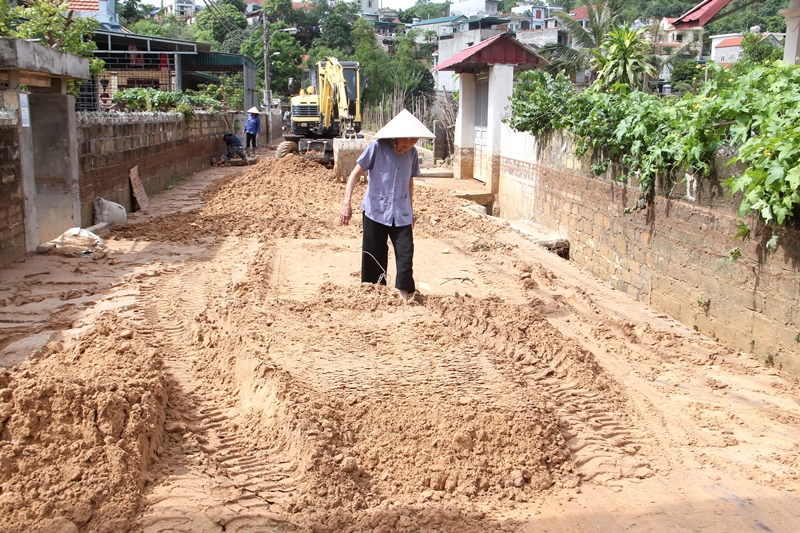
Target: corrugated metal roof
[
  {"x": 501, "y": 49},
  {"x": 700, "y": 14},
  {"x": 440, "y": 20}
]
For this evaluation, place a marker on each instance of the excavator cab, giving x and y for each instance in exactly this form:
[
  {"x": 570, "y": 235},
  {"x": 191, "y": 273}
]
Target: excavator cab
[{"x": 326, "y": 117}]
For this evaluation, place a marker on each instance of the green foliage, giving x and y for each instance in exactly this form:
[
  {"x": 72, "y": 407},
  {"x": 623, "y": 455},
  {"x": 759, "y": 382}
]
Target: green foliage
[
  {"x": 229, "y": 94},
  {"x": 220, "y": 20},
  {"x": 131, "y": 11},
  {"x": 683, "y": 73},
  {"x": 571, "y": 59},
  {"x": 424, "y": 10},
  {"x": 764, "y": 13},
  {"x": 55, "y": 25},
  {"x": 5, "y": 17},
  {"x": 755, "y": 112},
  {"x": 169, "y": 27},
  {"x": 150, "y": 99},
  {"x": 621, "y": 58},
  {"x": 757, "y": 48},
  {"x": 540, "y": 101},
  {"x": 766, "y": 108}
]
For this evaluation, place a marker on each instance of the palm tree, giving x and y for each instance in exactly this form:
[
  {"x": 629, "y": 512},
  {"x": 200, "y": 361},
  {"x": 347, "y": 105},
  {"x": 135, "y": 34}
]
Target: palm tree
[
  {"x": 623, "y": 57},
  {"x": 570, "y": 59},
  {"x": 657, "y": 36}
]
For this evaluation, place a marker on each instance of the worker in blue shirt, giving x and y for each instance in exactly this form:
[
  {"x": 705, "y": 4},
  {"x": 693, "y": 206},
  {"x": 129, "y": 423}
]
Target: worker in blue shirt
[
  {"x": 234, "y": 148},
  {"x": 392, "y": 162},
  {"x": 251, "y": 129}
]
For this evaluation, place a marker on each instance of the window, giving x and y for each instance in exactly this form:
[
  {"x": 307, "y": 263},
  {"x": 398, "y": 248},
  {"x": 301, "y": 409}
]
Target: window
[
  {"x": 369, "y": 4},
  {"x": 679, "y": 37}
]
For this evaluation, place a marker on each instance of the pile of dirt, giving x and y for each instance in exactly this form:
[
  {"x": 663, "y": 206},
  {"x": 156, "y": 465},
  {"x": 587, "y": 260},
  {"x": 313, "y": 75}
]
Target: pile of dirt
[
  {"x": 293, "y": 197},
  {"x": 80, "y": 428}
]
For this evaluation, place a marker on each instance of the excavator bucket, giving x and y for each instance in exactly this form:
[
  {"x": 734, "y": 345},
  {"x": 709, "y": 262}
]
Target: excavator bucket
[{"x": 345, "y": 155}]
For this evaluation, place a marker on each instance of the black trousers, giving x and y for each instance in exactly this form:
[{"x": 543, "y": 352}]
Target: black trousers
[
  {"x": 250, "y": 140},
  {"x": 375, "y": 262}
]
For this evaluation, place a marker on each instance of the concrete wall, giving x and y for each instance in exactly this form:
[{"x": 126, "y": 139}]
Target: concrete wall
[
  {"x": 672, "y": 256},
  {"x": 165, "y": 146}
]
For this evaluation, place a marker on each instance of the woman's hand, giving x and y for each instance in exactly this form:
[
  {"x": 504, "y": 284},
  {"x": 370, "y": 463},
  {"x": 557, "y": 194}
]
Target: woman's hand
[{"x": 346, "y": 214}]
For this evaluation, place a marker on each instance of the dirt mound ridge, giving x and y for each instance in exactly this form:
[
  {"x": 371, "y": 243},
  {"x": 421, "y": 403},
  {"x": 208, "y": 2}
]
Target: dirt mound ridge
[{"x": 80, "y": 428}]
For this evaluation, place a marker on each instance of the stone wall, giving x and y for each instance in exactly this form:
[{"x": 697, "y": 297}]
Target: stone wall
[
  {"x": 673, "y": 255},
  {"x": 12, "y": 221},
  {"x": 165, "y": 146}
]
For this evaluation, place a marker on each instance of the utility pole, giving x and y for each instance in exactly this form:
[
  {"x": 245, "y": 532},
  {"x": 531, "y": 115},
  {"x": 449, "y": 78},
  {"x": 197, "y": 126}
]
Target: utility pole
[{"x": 267, "y": 92}]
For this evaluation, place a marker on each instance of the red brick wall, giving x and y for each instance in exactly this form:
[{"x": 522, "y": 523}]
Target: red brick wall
[
  {"x": 12, "y": 228},
  {"x": 672, "y": 255}
]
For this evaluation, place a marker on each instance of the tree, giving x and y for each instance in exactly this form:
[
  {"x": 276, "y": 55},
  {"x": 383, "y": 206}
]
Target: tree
[
  {"x": 220, "y": 20},
  {"x": 423, "y": 10},
  {"x": 663, "y": 57},
  {"x": 57, "y": 26},
  {"x": 757, "y": 49},
  {"x": 373, "y": 61},
  {"x": 623, "y": 58},
  {"x": 131, "y": 11},
  {"x": 571, "y": 59},
  {"x": 169, "y": 27},
  {"x": 286, "y": 58},
  {"x": 336, "y": 33}
]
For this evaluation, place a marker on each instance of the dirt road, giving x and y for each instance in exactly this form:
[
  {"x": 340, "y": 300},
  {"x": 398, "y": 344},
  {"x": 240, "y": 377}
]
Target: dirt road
[{"x": 220, "y": 368}]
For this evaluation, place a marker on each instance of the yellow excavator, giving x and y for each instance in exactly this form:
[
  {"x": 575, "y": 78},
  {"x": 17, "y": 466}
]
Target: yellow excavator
[{"x": 325, "y": 118}]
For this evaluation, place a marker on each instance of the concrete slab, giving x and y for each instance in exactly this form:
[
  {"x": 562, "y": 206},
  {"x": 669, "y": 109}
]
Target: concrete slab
[{"x": 16, "y": 54}]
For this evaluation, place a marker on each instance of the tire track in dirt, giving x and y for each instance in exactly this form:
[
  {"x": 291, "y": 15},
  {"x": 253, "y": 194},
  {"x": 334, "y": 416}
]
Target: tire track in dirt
[
  {"x": 224, "y": 482},
  {"x": 604, "y": 440}
]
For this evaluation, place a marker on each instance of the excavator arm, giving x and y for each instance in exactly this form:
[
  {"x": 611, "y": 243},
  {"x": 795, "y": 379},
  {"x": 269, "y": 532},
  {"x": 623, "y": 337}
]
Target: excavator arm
[{"x": 333, "y": 95}]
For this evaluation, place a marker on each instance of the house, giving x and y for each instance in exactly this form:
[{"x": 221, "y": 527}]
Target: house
[
  {"x": 474, "y": 8},
  {"x": 727, "y": 48},
  {"x": 443, "y": 26},
  {"x": 181, "y": 8},
  {"x": 104, "y": 11}
]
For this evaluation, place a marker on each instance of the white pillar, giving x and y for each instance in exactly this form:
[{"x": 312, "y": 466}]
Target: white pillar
[
  {"x": 791, "y": 50},
  {"x": 464, "y": 138},
  {"x": 501, "y": 84}
]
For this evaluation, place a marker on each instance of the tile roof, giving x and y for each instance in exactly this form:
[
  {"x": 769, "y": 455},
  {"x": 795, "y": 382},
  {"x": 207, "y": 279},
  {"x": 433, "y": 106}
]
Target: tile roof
[
  {"x": 730, "y": 41},
  {"x": 91, "y": 6}
]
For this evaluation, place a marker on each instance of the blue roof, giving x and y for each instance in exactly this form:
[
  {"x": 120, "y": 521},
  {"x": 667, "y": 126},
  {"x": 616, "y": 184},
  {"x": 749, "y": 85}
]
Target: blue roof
[{"x": 440, "y": 20}]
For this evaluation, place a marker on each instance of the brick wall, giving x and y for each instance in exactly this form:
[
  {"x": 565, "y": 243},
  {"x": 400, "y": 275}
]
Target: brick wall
[
  {"x": 12, "y": 228},
  {"x": 166, "y": 146},
  {"x": 672, "y": 255}
]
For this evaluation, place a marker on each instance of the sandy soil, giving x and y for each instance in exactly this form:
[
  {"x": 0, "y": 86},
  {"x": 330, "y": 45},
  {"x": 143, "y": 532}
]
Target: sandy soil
[{"x": 218, "y": 367}]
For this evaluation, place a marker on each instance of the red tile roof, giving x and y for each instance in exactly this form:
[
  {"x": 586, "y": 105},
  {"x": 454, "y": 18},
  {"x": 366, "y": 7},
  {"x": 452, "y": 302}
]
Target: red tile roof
[
  {"x": 580, "y": 13},
  {"x": 730, "y": 41},
  {"x": 91, "y": 6},
  {"x": 501, "y": 49}
]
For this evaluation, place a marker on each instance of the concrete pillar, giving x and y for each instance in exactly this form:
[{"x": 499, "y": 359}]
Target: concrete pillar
[
  {"x": 464, "y": 138},
  {"x": 55, "y": 163},
  {"x": 28, "y": 179},
  {"x": 791, "y": 50},
  {"x": 178, "y": 74},
  {"x": 501, "y": 83}
]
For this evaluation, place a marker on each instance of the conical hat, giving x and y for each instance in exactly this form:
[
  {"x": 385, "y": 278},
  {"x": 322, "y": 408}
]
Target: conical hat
[
  {"x": 253, "y": 109},
  {"x": 404, "y": 125}
]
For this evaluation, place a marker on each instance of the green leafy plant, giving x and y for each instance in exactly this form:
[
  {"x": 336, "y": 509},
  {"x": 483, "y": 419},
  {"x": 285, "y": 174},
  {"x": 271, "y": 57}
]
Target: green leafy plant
[
  {"x": 150, "y": 99},
  {"x": 539, "y": 101}
]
